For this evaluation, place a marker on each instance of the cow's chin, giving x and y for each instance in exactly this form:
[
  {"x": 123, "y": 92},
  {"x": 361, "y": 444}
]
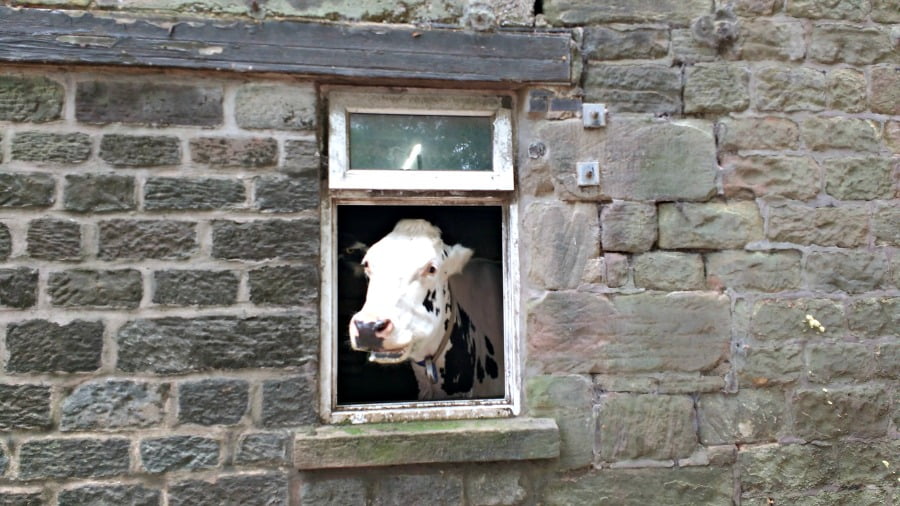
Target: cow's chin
[{"x": 388, "y": 357}]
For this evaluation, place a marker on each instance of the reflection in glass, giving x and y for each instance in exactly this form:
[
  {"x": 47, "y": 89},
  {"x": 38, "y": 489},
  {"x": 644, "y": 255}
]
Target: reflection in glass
[{"x": 415, "y": 142}]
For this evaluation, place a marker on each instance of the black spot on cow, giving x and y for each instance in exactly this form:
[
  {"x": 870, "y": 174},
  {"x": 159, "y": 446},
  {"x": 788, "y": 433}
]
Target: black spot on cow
[
  {"x": 489, "y": 346},
  {"x": 491, "y": 367},
  {"x": 459, "y": 362},
  {"x": 446, "y": 324},
  {"x": 479, "y": 371},
  {"x": 429, "y": 301}
]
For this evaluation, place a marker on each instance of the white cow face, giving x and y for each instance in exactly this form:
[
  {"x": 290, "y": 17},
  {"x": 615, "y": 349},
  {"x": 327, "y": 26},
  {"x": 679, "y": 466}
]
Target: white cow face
[{"x": 406, "y": 311}]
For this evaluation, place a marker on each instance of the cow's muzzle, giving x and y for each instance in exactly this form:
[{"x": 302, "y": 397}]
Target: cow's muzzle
[{"x": 370, "y": 335}]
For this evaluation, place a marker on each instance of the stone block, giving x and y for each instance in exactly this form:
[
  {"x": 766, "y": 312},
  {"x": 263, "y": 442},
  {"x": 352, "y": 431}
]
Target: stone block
[
  {"x": 885, "y": 11},
  {"x": 5, "y": 242},
  {"x": 18, "y": 287},
  {"x": 30, "y": 99},
  {"x": 51, "y": 147},
  {"x": 691, "y": 485},
  {"x": 852, "y": 44},
  {"x": 615, "y": 270},
  {"x": 140, "y": 150},
  {"x": 790, "y": 89},
  {"x": 264, "y": 448},
  {"x": 131, "y": 495},
  {"x": 605, "y": 43},
  {"x": 257, "y": 489},
  {"x": 52, "y": 239},
  {"x": 859, "y": 178},
  {"x": 148, "y": 102},
  {"x": 489, "y": 486},
  {"x": 25, "y": 407},
  {"x": 344, "y": 491},
  {"x": 762, "y": 366},
  {"x": 770, "y": 39},
  {"x": 178, "y": 453},
  {"x": 181, "y": 345},
  {"x": 266, "y": 239},
  {"x": 847, "y": 90},
  {"x": 89, "y": 288},
  {"x": 886, "y": 224},
  {"x": 301, "y": 157},
  {"x": 645, "y": 427},
  {"x": 754, "y": 7},
  {"x": 195, "y": 194},
  {"x": 280, "y": 194},
  {"x": 22, "y": 497},
  {"x": 568, "y": 400},
  {"x": 444, "y": 489},
  {"x": 98, "y": 193},
  {"x": 784, "y": 319},
  {"x": 113, "y": 405},
  {"x": 837, "y": 412},
  {"x": 874, "y": 317},
  {"x": 772, "y": 468},
  {"x": 851, "y": 271},
  {"x": 286, "y": 285},
  {"x": 750, "y": 416},
  {"x": 846, "y": 226},
  {"x": 280, "y": 107},
  {"x": 885, "y": 97},
  {"x": 887, "y": 362},
  {"x": 235, "y": 152},
  {"x": 892, "y": 135},
  {"x": 143, "y": 239},
  {"x": 659, "y": 383},
  {"x": 821, "y": 134},
  {"x": 669, "y": 271},
  {"x": 195, "y": 288},
  {"x": 290, "y": 401},
  {"x": 712, "y": 225},
  {"x": 737, "y": 134},
  {"x": 716, "y": 88},
  {"x": 826, "y": 362},
  {"x": 785, "y": 176},
  {"x": 855, "y": 10},
  {"x": 560, "y": 241},
  {"x": 688, "y": 50},
  {"x": 649, "y": 332},
  {"x": 27, "y": 190},
  {"x": 585, "y": 12},
  {"x": 42, "y": 459},
  {"x": 40, "y": 346},
  {"x": 216, "y": 401},
  {"x": 628, "y": 226},
  {"x": 644, "y": 88}
]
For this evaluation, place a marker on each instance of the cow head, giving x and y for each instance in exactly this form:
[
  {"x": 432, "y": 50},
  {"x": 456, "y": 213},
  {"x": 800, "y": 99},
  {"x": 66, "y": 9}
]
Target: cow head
[{"x": 408, "y": 307}]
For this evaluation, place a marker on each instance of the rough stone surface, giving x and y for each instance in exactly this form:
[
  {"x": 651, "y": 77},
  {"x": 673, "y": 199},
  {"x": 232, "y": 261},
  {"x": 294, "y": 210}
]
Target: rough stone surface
[
  {"x": 718, "y": 87},
  {"x": 820, "y": 134},
  {"x": 182, "y": 194},
  {"x": 281, "y": 194},
  {"x": 41, "y": 459},
  {"x": 761, "y": 366},
  {"x": 349, "y": 491},
  {"x": 18, "y": 287},
  {"x": 711, "y": 485},
  {"x": 130, "y": 495},
  {"x": 654, "y": 427},
  {"x": 852, "y": 271},
  {"x": 750, "y": 416},
  {"x": 709, "y": 226},
  {"x": 784, "y": 319},
  {"x": 634, "y": 88},
  {"x": 148, "y": 102},
  {"x": 235, "y": 152},
  {"x": 113, "y": 404},
  {"x": 24, "y": 407},
  {"x": 756, "y": 271},
  {"x": 31, "y": 99},
  {"x": 279, "y": 107},
  {"x": 847, "y": 90},
  {"x": 838, "y": 361},
  {"x": 777, "y": 467},
  {"x": 628, "y": 226},
  {"x": 174, "y": 453},
  {"x": 263, "y": 448},
  {"x": 790, "y": 89},
  {"x": 266, "y": 489},
  {"x": 855, "y": 10},
  {"x": 99, "y": 193},
  {"x": 22, "y": 498},
  {"x": 853, "y": 44},
  {"x": 494, "y": 487},
  {"x": 301, "y": 158},
  {"x": 52, "y": 239},
  {"x": 568, "y": 400},
  {"x": 418, "y": 489},
  {"x": 669, "y": 271},
  {"x": 289, "y": 401},
  {"x": 736, "y": 134},
  {"x": 287, "y": 285},
  {"x": 886, "y": 224},
  {"x": 51, "y": 147},
  {"x": 195, "y": 288},
  {"x": 5, "y": 242},
  {"x": 566, "y": 12},
  {"x": 561, "y": 240},
  {"x": 180, "y": 345},
  {"x": 859, "y": 178},
  {"x": 846, "y": 226},
  {"x": 791, "y": 177},
  {"x": 874, "y": 317},
  {"x": 688, "y": 50},
  {"x": 81, "y": 287},
  {"x": 140, "y": 239},
  {"x": 840, "y": 412},
  {"x": 892, "y": 135},
  {"x": 26, "y": 190},
  {"x": 604, "y": 43},
  {"x": 885, "y": 11},
  {"x": 770, "y": 39},
  {"x": 266, "y": 239},
  {"x": 213, "y": 401},
  {"x": 40, "y": 346},
  {"x": 140, "y": 151}
]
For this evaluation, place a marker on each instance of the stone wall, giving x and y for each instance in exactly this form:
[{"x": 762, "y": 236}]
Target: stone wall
[{"x": 715, "y": 323}]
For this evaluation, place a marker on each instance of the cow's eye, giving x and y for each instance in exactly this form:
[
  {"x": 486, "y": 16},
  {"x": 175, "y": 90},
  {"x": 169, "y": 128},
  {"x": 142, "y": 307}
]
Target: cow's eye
[{"x": 429, "y": 269}]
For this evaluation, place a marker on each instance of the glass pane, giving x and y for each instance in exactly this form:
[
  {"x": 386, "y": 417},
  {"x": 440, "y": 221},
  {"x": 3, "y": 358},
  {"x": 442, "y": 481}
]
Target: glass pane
[{"x": 414, "y": 142}]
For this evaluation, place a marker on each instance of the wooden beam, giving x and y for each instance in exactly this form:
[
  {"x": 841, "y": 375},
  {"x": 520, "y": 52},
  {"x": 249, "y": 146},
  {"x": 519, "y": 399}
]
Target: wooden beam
[{"x": 359, "y": 51}]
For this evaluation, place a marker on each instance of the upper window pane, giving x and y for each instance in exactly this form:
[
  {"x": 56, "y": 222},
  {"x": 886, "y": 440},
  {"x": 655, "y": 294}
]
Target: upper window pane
[{"x": 421, "y": 142}]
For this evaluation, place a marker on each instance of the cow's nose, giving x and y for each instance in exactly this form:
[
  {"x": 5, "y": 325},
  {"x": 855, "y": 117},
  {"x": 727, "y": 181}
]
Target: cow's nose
[{"x": 371, "y": 334}]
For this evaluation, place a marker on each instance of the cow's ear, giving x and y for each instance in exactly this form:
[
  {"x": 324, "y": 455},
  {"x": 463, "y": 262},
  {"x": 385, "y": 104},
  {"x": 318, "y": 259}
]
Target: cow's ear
[{"x": 457, "y": 256}]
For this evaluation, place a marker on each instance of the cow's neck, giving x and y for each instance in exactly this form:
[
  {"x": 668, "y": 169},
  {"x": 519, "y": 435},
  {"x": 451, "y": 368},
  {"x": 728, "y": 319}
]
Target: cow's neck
[{"x": 434, "y": 360}]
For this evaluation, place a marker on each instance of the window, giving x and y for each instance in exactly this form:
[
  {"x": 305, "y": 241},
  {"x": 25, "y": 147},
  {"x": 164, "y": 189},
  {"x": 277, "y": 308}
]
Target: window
[{"x": 444, "y": 158}]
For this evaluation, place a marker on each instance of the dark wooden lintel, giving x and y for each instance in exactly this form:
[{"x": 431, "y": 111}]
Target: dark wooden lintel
[{"x": 317, "y": 49}]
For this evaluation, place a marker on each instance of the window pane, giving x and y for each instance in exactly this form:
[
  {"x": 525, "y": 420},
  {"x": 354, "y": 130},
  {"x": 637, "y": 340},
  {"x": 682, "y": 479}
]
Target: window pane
[{"x": 414, "y": 142}]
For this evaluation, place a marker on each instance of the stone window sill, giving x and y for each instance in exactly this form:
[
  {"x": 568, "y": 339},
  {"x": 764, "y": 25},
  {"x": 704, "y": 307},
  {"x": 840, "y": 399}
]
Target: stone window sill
[{"x": 444, "y": 441}]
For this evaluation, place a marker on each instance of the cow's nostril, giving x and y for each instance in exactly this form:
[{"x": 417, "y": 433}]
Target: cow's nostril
[{"x": 381, "y": 325}]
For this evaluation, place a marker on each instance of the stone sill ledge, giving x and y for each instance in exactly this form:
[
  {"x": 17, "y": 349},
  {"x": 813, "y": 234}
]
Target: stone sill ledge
[{"x": 444, "y": 441}]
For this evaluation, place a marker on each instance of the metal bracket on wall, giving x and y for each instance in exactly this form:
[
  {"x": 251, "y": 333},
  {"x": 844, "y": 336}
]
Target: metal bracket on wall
[
  {"x": 588, "y": 173},
  {"x": 593, "y": 115}
]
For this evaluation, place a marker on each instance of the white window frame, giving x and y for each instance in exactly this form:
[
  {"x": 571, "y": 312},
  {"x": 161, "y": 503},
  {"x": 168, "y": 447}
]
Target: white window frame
[{"x": 447, "y": 188}]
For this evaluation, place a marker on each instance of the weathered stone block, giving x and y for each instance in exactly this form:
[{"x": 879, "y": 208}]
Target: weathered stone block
[
  {"x": 51, "y": 147},
  {"x": 5, "y": 242},
  {"x": 140, "y": 150},
  {"x": 180, "y": 194},
  {"x": 754, "y": 270},
  {"x": 874, "y": 316},
  {"x": 853, "y": 44},
  {"x": 607, "y": 43},
  {"x": 263, "y": 448},
  {"x": 886, "y": 224},
  {"x": 659, "y": 383},
  {"x": 40, "y": 459},
  {"x": 141, "y": 239},
  {"x": 790, "y": 89},
  {"x": 584, "y": 12},
  {"x": 892, "y": 135},
  {"x": 266, "y": 239},
  {"x": 822, "y": 134},
  {"x": 99, "y": 193},
  {"x": 20, "y": 497},
  {"x": 301, "y": 157},
  {"x": 634, "y": 88},
  {"x": 349, "y": 491},
  {"x": 419, "y": 489},
  {"x": 628, "y": 226},
  {"x": 887, "y": 362},
  {"x": 830, "y": 361},
  {"x": 18, "y": 287},
  {"x": 846, "y": 226},
  {"x": 113, "y": 404},
  {"x": 761, "y": 366},
  {"x": 266, "y": 489},
  {"x": 568, "y": 400},
  {"x": 4, "y": 465},
  {"x": 177, "y": 453},
  {"x": 496, "y": 487},
  {"x": 654, "y": 427},
  {"x": 649, "y": 332},
  {"x": 131, "y": 495},
  {"x": 669, "y": 271},
  {"x": 853, "y": 271},
  {"x": 561, "y": 240},
  {"x": 287, "y": 285},
  {"x": 27, "y": 190},
  {"x": 213, "y": 401},
  {"x": 716, "y": 87},
  {"x": 750, "y": 416},
  {"x": 709, "y": 226},
  {"x": 770, "y": 39},
  {"x": 859, "y": 178},
  {"x": 817, "y": 9},
  {"x": 736, "y": 134},
  {"x": 847, "y": 90},
  {"x": 195, "y": 288},
  {"x": 148, "y": 102},
  {"x": 52, "y": 239},
  {"x": 276, "y": 106},
  {"x": 30, "y": 99},
  {"x": 179, "y": 345},
  {"x": 752, "y": 7},
  {"x": 771, "y": 468},
  {"x": 831, "y": 413},
  {"x": 791, "y": 177},
  {"x": 282, "y": 194},
  {"x": 81, "y": 287},
  {"x": 783, "y": 319},
  {"x": 885, "y": 11},
  {"x": 692, "y": 485},
  {"x": 290, "y": 401},
  {"x": 688, "y": 50},
  {"x": 40, "y": 346},
  {"x": 234, "y": 152},
  {"x": 24, "y": 407},
  {"x": 885, "y": 85}
]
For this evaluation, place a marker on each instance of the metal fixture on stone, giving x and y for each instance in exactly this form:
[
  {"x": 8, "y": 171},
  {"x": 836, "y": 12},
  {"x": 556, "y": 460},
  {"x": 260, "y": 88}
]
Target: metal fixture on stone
[
  {"x": 593, "y": 115},
  {"x": 588, "y": 173}
]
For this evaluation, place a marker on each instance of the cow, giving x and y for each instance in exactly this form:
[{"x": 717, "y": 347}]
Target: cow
[{"x": 432, "y": 305}]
